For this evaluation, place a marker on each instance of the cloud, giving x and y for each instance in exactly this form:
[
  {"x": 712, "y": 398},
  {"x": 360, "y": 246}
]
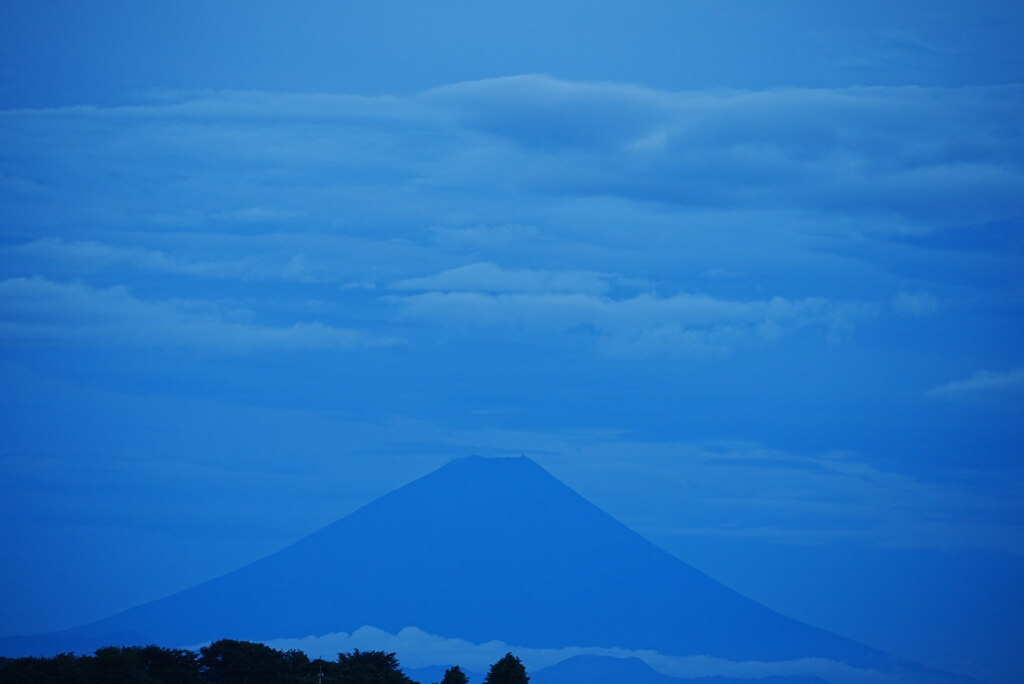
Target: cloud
[
  {"x": 933, "y": 156},
  {"x": 483, "y": 277},
  {"x": 417, "y": 648},
  {"x": 644, "y": 323},
  {"x": 554, "y": 195},
  {"x": 891, "y": 50},
  {"x": 40, "y": 309},
  {"x": 307, "y": 258},
  {"x": 923, "y": 157},
  {"x": 984, "y": 385},
  {"x": 92, "y": 256},
  {"x": 237, "y": 106},
  {"x": 226, "y": 159},
  {"x": 546, "y": 114},
  {"x": 917, "y": 304},
  {"x": 529, "y": 175},
  {"x": 750, "y": 490}
]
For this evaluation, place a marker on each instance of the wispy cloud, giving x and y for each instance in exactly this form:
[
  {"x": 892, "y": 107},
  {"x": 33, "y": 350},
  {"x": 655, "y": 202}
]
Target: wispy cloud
[
  {"x": 307, "y": 258},
  {"x": 644, "y": 323},
  {"x": 737, "y": 489},
  {"x": 984, "y": 385},
  {"x": 91, "y": 256},
  {"x": 40, "y": 309},
  {"x": 915, "y": 304},
  {"x": 484, "y": 277}
]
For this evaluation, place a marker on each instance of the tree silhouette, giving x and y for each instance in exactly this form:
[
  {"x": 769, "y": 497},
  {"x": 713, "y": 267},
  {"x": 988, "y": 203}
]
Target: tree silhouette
[
  {"x": 241, "y": 662},
  {"x": 508, "y": 670},
  {"x": 370, "y": 667},
  {"x": 223, "y": 662},
  {"x": 145, "y": 665},
  {"x": 66, "y": 667},
  {"x": 455, "y": 675}
]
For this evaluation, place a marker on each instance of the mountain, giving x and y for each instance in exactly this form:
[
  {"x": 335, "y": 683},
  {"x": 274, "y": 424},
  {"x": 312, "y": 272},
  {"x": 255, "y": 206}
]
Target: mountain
[{"x": 480, "y": 550}]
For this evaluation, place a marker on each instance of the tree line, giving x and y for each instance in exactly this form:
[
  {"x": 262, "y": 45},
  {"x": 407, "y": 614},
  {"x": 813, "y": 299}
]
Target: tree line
[{"x": 230, "y": 662}]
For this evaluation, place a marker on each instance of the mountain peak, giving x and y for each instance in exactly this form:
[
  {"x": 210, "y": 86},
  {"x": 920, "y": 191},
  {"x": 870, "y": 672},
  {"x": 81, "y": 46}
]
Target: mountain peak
[
  {"x": 503, "y": 463},
  {"x": 481, "y": 471},
  {"x": 474, "y": 485}
]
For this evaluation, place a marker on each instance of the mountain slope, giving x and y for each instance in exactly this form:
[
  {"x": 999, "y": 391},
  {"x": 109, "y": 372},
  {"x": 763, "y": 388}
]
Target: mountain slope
[{"x": 480, "y": 549}]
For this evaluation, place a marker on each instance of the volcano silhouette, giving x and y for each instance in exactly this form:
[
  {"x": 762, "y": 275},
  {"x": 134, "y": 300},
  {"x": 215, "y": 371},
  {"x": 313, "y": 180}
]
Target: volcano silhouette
[{"x": 481, "y": 549}]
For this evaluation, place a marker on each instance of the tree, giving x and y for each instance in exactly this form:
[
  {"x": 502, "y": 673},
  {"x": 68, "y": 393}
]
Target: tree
[
  {"x": 508, "y": 670},
  {"x": 241, "y": 662},
  {"x": 117, "y": 664},
  {"x": 455, "y": 675},
  {"x": 170, "y": 665},
  {"x": 60, "y": 669},
  {"x": 296, "y": 667},
  {"x": 329, "y": 668},
  {"x": 145, "y": 665},
  {"x": 370, "y": 667}
]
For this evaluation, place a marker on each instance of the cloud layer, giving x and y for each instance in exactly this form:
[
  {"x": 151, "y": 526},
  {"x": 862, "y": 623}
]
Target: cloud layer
[
  {"x": 36, "y": 309},
  {"x": 420, "y": 649}
]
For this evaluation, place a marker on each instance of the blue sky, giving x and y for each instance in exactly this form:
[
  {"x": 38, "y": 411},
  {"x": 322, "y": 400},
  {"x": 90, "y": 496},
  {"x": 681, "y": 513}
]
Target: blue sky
[{"x": 749, "y": 275}]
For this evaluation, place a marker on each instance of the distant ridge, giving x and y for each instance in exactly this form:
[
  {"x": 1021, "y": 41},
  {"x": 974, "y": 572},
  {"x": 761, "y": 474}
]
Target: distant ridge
[
  {"x": 480, "y": 549},
  {"x": 607, "y": 670}
]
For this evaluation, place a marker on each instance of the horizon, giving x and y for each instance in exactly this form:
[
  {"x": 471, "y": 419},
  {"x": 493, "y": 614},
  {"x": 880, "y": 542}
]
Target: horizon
[{"x": 748, "y": 276}]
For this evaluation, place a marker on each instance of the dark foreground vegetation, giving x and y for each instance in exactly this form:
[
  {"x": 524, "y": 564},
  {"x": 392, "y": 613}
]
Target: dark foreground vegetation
[{"x": 229, "y": 662}]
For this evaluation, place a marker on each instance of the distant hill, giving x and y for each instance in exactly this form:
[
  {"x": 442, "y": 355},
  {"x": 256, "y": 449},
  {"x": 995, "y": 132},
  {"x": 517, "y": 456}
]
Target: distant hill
[
  {"x": 607, "y": 670},
  {"x": 481, "y": 549}
]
